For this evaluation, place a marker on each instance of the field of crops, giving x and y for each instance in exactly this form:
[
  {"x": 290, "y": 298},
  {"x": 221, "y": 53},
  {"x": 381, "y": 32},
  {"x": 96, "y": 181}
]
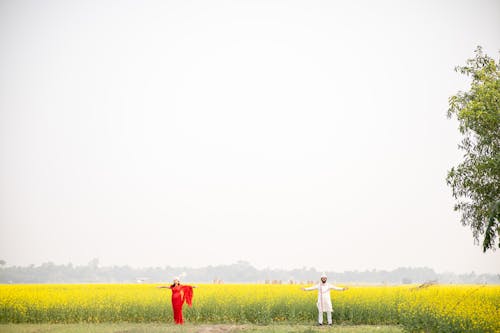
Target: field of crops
[{"x": 433, "y": 309}]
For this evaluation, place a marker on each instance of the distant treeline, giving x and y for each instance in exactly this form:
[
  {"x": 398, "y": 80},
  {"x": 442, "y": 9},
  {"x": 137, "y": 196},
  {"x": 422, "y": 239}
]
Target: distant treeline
[{"x": 240, "y": 272}]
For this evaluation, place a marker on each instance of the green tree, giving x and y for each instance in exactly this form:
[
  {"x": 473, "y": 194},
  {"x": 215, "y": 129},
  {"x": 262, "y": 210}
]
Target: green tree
[{"x": 476, "y": 181}]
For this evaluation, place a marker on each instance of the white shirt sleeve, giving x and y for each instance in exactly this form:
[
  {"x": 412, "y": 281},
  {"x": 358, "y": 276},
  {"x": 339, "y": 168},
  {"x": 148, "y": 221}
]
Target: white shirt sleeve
[
  {"x": 315, "y": 287},
  {"x": 335, "y": 287}
]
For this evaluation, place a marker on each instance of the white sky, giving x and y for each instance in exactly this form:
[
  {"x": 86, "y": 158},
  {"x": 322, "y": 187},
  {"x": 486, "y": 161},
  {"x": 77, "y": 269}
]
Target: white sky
[{"x": 284, "y": 133}]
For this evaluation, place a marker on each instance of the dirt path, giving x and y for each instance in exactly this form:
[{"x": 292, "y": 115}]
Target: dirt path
[
  {"x": 220, "y": 328},
  {"x": 191, "y": 328}
]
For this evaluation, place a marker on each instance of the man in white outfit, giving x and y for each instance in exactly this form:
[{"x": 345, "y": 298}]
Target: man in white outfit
[{"x": 324, "y": 301}]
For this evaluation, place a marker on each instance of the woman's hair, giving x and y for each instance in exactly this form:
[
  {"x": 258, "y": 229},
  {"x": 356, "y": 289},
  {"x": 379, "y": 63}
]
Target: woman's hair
[{"x": 173, "y": 284}]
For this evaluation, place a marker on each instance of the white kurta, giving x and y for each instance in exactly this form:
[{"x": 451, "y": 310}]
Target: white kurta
[{"x": 324, "y": 301}]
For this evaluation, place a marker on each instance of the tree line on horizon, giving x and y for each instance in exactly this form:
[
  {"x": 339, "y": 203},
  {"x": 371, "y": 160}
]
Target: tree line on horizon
[{"x": 239, "y": 272}]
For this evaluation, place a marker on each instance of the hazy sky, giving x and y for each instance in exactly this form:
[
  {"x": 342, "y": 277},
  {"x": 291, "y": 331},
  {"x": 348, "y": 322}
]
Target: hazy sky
[{"x": 284, "y": 133}]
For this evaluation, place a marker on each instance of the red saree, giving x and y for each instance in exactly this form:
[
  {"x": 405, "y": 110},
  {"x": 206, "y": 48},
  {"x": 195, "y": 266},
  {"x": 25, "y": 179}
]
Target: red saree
[{"x": 181, "y": 294}]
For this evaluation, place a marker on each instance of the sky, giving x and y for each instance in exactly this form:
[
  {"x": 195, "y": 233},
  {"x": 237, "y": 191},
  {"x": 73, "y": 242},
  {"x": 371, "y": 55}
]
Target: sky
[{"x": 287, "y": 134}]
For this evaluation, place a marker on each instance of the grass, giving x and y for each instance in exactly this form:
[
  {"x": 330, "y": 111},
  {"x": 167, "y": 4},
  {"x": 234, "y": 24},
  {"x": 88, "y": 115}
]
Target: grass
[{"x": 191, "y": 328}]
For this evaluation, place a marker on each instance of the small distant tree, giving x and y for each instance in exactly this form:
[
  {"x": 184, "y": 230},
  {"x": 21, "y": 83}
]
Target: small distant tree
[
  {"x": 94, "y": 263},
  {"x": 476, "y": 181},
  {"x": 406, "y": 281},
  {"x": 3, "y": 262}
]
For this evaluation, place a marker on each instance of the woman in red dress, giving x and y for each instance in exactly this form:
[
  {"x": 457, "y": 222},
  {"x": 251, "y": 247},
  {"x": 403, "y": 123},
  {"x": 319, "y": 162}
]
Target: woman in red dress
[{"x": 180, "y": 294}]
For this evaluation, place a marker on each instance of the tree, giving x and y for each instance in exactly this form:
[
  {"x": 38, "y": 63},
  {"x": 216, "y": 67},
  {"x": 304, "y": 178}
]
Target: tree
[
  {"x": 94, "y": 263},
  {"x": 476, "y": 181}
]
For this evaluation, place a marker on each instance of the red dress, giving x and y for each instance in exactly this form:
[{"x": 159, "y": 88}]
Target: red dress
[{"x": 181, "y": 294}]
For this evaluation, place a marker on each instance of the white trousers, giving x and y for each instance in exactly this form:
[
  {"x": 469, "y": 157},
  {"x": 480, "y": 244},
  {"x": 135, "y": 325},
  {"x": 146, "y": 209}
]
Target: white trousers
[{"x": 328, "y": 317}]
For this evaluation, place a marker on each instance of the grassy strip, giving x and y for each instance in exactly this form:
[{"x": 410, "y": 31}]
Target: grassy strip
[{"x": 191, "y": 328}]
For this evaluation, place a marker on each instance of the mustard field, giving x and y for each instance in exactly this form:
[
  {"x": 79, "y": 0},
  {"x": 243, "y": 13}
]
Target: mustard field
[{"x": 436, "y": 308}]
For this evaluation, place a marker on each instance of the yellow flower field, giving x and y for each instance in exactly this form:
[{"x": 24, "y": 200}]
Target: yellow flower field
[{"x": 434, "y": 309}]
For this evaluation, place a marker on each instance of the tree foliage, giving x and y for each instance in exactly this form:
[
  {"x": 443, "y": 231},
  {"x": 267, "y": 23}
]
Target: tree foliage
[{"x": 476, "y": 181}]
